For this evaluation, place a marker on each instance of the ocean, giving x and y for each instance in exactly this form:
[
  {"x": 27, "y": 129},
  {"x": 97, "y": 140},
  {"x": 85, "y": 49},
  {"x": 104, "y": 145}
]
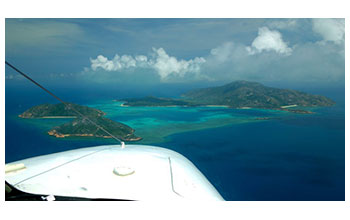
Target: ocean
[{"x": 287, "y": 157}]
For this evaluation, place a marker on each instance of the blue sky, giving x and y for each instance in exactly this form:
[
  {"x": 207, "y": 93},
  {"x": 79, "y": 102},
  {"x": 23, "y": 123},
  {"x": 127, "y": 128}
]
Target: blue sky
[{"x": 109, "y": 52}]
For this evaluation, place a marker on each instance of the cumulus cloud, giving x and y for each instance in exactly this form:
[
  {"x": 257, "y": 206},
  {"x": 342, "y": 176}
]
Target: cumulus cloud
[
  {"x": 273, "y": 60},
  {"x": 332, "y": 30},
  {"x": 269, "y": 40},
  {"x": 231, "y": 61},
  {"x": 117, "y": 63},
  {"x": 165, "y": 65}
]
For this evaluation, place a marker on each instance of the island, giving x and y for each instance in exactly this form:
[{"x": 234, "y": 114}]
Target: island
[
  {"x": 154, "y": 102},
  {"x": 241, "y": 95},
  {"x": 80, "y": 126}
]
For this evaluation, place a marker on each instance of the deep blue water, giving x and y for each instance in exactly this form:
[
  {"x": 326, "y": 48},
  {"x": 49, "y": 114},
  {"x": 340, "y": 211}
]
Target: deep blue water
[
  {"x": 299, "y": 157},
  {"x": 273, "y": 160}
]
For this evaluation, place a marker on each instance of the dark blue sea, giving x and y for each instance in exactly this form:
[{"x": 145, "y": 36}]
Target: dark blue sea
[{"x": 291, "y": 157}]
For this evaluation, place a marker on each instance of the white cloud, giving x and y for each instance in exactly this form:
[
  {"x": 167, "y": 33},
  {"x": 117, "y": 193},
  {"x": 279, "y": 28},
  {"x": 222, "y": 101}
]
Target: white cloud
[
  {"x": 330, "y": 29},
  {"x": 102, "y": 62},
  {"x": 167, "y": 65},
  {"x": 273, "y": 60},
  {"x": 269, "y": 40},
  {"x": 160, "y": 61},
  {"x": 117, "y": 63},
  {"x": 141, "y": 58}
]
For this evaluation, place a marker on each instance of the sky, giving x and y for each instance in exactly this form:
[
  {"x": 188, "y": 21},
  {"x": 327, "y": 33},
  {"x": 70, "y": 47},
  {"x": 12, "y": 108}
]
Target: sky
[{"x": 162, "y": 52}]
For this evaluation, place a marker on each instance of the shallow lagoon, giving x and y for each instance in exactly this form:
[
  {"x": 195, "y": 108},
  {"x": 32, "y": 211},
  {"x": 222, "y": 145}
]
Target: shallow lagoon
[{"x": 154, "y": 124}]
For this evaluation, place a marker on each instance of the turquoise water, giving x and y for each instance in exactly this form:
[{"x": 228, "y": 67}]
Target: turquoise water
[
  {"x": 288, "y": 157},
  {"x": 155, "y": 124}
]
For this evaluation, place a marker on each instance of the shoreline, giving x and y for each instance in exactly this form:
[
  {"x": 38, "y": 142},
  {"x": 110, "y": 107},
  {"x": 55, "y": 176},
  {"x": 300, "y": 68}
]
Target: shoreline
[
  {"x": 281, "y": 108},
  {"x": 59, "y": 117},
  {"x": 45, "y": 117},
  {"x": 171, "y": 106},
  {"x": 221, "y": 106},
  {"x": 59, "y": 135}
]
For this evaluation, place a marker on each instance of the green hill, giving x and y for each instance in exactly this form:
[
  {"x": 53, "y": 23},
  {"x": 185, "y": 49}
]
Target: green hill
[
  {"x": 80, "y": 126},
  {"x": 240, "y": 94},
  {"x": 255, "y": 95},
  {"x": 60, "y": 110}
]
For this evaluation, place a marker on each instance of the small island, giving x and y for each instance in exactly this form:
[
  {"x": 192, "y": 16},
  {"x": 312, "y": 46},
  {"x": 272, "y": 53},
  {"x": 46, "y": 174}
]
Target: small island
[
  {"x": 154, "y": 102},
  {"x": 240, "y": 95},
  {"x": 80, "y": 126}
]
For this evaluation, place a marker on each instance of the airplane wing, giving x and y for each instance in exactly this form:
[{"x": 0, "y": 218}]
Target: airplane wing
[{"x": 136, "y": 172}]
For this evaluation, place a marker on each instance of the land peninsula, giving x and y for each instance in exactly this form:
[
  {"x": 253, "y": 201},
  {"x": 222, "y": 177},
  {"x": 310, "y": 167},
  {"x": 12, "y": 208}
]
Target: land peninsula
[
  {"x": 240, "y": 95},
  {"x": 80, "y": 126}
]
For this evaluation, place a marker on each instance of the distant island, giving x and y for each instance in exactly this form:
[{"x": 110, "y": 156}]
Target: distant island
[
  {"x": 242, "y": 95},
  {"x": 80, "y": 127},
  {"x": 154, "y": 101}
]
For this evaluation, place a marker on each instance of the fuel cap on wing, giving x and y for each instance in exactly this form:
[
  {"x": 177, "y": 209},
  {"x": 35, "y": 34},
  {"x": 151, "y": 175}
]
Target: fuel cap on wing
[{"x": 123, "y": 171}]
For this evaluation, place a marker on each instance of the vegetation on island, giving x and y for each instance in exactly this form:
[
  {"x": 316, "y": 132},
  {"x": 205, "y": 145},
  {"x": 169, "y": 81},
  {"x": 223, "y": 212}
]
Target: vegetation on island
[
  {"x": 154, "y": 101},
  {"x": 81, "y": 126},
  {"x": 240, "y": 94},
  {"x": 60, "y": 110}
]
